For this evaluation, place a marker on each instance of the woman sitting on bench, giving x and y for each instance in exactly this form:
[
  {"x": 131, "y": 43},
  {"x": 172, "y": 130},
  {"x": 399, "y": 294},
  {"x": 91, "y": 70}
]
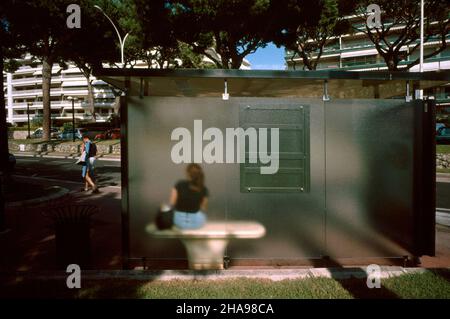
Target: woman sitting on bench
[{"x": 189, "y": 199}]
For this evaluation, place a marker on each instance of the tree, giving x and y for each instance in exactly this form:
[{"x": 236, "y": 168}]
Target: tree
[
  {"x": 306, "y": 27},
  {"x": 224, "y": 31},
  {"x": 124, "y": 14},
  {"x": 45, "y": 32},
  {"x": 92, "y": 44},
  {"x": 160, "y": 45},
  {"x": 398, "y": 37},
  {"x": 179, "y": 55},
  {"x": 10, "y": 48}
]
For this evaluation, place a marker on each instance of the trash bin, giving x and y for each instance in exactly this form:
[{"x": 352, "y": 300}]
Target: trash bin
[{"x": 72, "y": 224}]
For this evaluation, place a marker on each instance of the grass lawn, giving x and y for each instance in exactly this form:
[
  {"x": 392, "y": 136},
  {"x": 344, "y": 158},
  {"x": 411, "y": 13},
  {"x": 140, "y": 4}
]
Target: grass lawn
[
  {"x": 443, "y": 170},
  {"x": 431, "y": 284},
  {"x": 443, "y": 149}
]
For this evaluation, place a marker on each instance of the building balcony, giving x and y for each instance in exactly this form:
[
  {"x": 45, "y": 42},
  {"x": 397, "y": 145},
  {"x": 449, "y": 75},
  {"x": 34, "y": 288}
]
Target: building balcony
[
  {"x": 359, "y": 48},
  {"x": 73, "y": 76},
  {"x": 26, "y": 93},
  {"x": 26, "y": 81},
  {"x": 39, "y": 105},
  {"x": 74, "y": 92},
  {"x": 37, "y": 92},
  {"x": 26, "y": 70}
]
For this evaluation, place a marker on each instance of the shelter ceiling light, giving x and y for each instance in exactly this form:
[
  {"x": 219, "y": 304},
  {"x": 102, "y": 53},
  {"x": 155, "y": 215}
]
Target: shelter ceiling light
[{"x": 225, "y": 95}]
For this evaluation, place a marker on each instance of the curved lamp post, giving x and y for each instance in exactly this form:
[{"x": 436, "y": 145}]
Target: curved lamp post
[{"x": 121, "y": 41}]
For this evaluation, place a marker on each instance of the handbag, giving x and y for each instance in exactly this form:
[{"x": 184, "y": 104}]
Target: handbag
[
  {"x": 82, "y": 159},
  {"x": 164, "y": 218}
]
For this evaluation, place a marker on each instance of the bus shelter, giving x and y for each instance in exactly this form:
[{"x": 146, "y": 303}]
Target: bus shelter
[{"x": 336, "y": 165}]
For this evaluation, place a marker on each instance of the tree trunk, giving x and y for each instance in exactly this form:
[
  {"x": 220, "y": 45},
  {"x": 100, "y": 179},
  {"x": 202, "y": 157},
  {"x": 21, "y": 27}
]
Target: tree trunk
[
  {"x": 3, "y": 148},
  {"x": 47, "y": 64},
  {"x": 117, "y": 105},
  {"x": 236, "y": 62},
  {"x": 91, "y": 99},
  {"x": 391, "y": 63}
]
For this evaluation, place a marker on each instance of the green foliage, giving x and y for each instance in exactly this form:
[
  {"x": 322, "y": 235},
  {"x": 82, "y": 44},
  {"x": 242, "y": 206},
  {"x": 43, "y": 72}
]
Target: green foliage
[
  {"x": 36, "y": 121},
  {"x": 402, "y": 28},
  {"x": 224, "y": 31},
  {"x": 67, "y": 126},
  {"x": 11, "y": 65},
  {"x": 305, "y": 27},
  {"x": 42, "y": 26},
  {"x": 40, "y": 29}
]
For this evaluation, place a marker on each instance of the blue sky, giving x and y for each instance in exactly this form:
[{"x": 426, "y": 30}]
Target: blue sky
[{"x": 268, "y": 58}]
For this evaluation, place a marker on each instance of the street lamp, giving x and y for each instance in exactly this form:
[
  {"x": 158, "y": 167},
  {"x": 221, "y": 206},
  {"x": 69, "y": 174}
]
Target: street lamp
[
  {"x": 121, "y": 41},
  {"x": 73, "y": 99},
  {"x": 28, "y": 115},
  {"x": 421, "y": 34},
  {"x": 419, "y": 93}
]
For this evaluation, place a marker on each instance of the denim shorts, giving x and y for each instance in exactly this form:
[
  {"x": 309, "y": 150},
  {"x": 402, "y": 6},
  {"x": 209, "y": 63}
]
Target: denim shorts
[
  {"x": 185, "y": 220},
  {"x": 89, "y": 164}
]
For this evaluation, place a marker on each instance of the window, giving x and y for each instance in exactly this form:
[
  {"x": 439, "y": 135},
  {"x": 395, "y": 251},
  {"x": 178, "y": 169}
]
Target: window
[
  {"x": 359, "y": 60},
  {"x": 292, "y": 121}
]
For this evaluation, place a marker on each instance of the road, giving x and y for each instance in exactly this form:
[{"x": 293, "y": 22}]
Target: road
[
  {"x": 108, "y": 173},
  {"x": 443, "y": 195}
]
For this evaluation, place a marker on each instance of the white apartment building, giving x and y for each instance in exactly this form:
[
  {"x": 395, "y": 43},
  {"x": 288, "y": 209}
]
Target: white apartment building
[
  {"x": 355, "y": 52},
  {"x": 23, "y": 89}
]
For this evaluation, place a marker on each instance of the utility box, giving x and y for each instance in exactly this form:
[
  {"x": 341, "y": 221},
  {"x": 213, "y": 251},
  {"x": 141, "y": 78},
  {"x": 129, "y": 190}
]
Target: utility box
[{"x": 334, "y": 164}]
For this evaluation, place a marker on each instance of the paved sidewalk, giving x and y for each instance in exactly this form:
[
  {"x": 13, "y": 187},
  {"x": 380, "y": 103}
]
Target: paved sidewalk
[
  {"x": 442, "y": 178},
  {"x": 30, "y": 245}
]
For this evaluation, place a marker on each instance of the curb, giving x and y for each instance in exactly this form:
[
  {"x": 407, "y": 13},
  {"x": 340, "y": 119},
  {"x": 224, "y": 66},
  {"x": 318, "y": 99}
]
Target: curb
[
  {"x": 61, "y": 191},
  {"x": 69, "y": 156},
  {"x": 192, "y": 275},
  {"x": 443, "y": 216}
]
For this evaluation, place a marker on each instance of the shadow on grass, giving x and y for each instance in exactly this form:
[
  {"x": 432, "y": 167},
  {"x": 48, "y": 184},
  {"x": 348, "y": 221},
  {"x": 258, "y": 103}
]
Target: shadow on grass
[
  {"x": 443, "y": 273},
  {"x": 357, "y": 284},
  {"x": 19, "y": 288},
  {"x": 357, "y": 287}
]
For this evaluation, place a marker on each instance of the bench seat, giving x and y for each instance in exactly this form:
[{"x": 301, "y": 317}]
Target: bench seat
[{"x": 206, "y": 246}]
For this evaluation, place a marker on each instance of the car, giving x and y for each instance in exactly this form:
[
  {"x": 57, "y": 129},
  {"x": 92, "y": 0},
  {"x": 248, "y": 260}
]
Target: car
[
  {"x": 67, "y": 134},
  {"x": 11, "y": 162},
  {"x": 101, "y": 136},
  {"x": 443, "y": 135},
  {"x": 439, "y": 125},
  {"x": 114, "y": 134},
  {"x": 39, "y": 132},
  {"x": 108, "y": 135}
]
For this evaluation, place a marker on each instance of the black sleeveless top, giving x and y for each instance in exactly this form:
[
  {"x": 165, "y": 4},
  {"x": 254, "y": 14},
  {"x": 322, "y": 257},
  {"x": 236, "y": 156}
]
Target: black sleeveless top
[{"x": 189, "y": 199}]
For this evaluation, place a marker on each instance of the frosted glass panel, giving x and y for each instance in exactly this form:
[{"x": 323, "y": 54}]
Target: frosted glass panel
[
  {"x": 294, "y": 221},
  {"x": 369, "y": 177},
  {"x": 356, "y": 166}
]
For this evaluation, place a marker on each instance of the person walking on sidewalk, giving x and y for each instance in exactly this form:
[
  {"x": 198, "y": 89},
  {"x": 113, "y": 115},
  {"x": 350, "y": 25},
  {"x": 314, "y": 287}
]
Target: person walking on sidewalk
[{"x": 88, "y": 166}]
